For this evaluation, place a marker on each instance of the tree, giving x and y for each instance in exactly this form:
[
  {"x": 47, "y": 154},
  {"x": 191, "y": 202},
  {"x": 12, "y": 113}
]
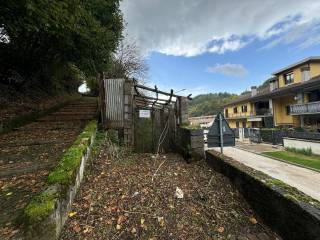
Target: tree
[
  {"x": 128, "y": 61},
  {"x": 49, "y": 40},
  {"x": 209, "y": 104}
]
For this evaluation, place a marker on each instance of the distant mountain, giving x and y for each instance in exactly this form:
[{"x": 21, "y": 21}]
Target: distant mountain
[{"x": 209, "y": 104}]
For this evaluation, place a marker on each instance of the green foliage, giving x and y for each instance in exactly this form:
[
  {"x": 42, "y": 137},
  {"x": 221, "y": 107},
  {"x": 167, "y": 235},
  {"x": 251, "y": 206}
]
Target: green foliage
[
  {"x": 43, "y": 204},
  {"x": 311, "y": 161},
  {"x": 190, "y": 127},
  {"x": 304, "y": 151},
  {"x": 71, "y": 159},
  {"x": 40, "y": 206},
  {"x": 55, "y": 44},
  {"x": 209, "y": 104}
]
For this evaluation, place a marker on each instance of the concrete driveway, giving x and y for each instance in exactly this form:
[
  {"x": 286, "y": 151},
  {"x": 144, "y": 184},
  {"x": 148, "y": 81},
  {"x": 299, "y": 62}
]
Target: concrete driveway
[{"x": 305, "y": 180}]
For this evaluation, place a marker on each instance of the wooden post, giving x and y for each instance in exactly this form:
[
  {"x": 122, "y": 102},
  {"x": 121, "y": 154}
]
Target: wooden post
[{"x": 183, "y": 108}]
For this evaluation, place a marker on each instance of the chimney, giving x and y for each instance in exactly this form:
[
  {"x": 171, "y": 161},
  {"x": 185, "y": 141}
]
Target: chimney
[{"x": 254, "y": 91}]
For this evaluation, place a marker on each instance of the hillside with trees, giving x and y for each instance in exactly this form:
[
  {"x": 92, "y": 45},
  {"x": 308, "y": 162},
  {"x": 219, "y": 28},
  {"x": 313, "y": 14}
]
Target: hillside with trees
[
  {"x": 54, "y": 46},
  {"x": 209, "y": 104}
]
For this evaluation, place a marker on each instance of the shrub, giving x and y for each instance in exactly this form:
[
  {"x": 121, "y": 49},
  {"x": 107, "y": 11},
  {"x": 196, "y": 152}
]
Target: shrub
[{"x": 304, "y": 151}]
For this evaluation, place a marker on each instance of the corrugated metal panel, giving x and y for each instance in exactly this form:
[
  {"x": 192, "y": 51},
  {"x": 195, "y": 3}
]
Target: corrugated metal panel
[{"x": 114, "y": 93}]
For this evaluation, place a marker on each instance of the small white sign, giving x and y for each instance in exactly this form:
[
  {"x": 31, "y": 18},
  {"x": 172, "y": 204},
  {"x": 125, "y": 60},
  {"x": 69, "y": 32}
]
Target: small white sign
[{"x": 144, "y": 114}]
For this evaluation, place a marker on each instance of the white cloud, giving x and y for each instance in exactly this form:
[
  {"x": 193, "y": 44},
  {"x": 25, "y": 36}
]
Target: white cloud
[
  {"x": 235, "y": 70},
  {"x": 193, "y": 27}
]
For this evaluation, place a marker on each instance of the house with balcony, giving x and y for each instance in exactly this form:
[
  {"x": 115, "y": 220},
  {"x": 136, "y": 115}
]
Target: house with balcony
[
  {"x": 251, "y": 110},
  {"x": 291, "y": 98}
]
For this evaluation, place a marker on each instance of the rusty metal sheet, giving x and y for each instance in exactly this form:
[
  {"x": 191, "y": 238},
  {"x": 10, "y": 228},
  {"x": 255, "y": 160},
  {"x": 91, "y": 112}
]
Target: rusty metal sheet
[{"x": 114, "y": 99}]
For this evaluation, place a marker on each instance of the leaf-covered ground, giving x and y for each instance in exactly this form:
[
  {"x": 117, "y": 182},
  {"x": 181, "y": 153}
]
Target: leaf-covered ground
[
  {"x": 28, "y": 153},
  {"x": 123, "y": 198}
]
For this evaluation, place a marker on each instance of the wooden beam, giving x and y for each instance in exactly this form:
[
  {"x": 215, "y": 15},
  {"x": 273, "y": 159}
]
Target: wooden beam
[{"x": 159, "y": 91}]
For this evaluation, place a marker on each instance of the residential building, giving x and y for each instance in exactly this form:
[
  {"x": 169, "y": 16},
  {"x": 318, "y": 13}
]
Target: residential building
[
  {"x": 203, "y": 121},
  {"x": 290, "y": 98}
]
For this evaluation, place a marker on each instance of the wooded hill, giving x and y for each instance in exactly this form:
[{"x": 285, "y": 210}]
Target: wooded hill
[
  {"x": 209, "y": 104},
  {"x": 56, "y": 45}
]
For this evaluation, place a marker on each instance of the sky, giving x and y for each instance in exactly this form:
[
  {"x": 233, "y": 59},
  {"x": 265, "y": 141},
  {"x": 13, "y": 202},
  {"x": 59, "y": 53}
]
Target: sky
[{"x": 208, "y": 46}]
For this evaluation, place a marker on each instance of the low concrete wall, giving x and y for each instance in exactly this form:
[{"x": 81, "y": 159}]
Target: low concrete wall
[
  {"x": 302, "y": 144},
  {"x": 292, "y": 214},
  {"x": 49, "y": 227}
]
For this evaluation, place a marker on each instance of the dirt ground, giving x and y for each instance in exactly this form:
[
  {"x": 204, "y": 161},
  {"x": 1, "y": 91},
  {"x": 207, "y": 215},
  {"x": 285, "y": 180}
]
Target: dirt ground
[
  {"x": 28, "y": 153},
  {"x": 134, "y": 197}
]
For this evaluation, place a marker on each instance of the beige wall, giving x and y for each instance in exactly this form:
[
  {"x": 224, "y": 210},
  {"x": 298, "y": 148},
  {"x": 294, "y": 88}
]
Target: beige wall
[
  {"x": 233, "y": 123},
  {"x": 314, "y": 71},
  {"x": 250, "y": 110},
  {"x": 280, "y": 112}
]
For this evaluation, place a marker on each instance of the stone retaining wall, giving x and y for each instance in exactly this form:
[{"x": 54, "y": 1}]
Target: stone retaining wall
[
  {"x": 190, "y": 143},
  {"x": 289, "y": 212}
]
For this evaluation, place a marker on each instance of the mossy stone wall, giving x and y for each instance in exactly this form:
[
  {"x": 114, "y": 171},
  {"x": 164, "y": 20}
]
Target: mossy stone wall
[{"x": 289, "y": 212}]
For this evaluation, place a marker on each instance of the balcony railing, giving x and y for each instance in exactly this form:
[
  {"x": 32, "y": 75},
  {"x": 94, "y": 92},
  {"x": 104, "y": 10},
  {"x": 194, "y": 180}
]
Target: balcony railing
[
  {"x": 259, "y": 112},
  {"x": 307, "y": 108},
  {"x": 263, "y": 112}
]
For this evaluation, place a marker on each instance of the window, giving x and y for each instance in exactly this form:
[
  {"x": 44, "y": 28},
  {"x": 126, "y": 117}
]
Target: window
[
  {"x": 244, "y": 108},
  {"x": 305, "y": 74},
  {"x": 235, "y": 110},
  {"x": 288, "y": 110},
  {"x": 288, "y": 78},
  {"x": 237, "y": 124},
  {"x": 244, "y": 124},
  {"x": 274, "y": 84},
  {"x": 227, "y": 113}
]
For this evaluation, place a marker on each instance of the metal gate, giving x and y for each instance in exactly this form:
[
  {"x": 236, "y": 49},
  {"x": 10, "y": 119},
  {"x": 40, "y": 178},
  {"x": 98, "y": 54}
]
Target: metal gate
[{"x": 254, "y": 135}]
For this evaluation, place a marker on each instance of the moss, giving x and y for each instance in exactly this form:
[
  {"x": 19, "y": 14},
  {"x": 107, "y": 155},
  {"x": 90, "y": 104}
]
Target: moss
[
  {"x": 286, "y": 190},
  {"x": 291, "y": 193},
  {"x": 71, "y": 159},
  {"x": 41, "y": 206},
  {"x": 190, "y": 127}
]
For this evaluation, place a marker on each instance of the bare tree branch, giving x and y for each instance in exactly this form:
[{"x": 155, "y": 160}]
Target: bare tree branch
[{"x": 128, "y": 62}]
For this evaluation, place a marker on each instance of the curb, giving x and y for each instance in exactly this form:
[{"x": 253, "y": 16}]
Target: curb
[{"x": 280, "y": 160}]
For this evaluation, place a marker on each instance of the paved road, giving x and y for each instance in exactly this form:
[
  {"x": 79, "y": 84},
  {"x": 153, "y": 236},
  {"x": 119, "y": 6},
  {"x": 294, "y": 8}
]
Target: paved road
[{"x": 305, "y": 180}]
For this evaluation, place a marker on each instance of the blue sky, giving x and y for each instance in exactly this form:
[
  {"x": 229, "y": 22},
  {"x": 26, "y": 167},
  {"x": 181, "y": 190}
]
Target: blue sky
[
  {"x": 192, "y": 73},
  {"x": 221, "y": 45}
]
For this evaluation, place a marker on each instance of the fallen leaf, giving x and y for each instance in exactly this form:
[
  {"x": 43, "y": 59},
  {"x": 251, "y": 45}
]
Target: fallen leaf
[
  {"x": 161, "y": 221},
  {"x": 121, "y": 219},
  {"x": 220, "y": 229},
  {"x": 118, "y": 227},
  {"x": 9, "y": 193},
  {"x": 142, "y": 220},
  {"x": 71, "y": 214},
  {"x": 253, "y": 220},
  {"x": 109, "y": 222},
  {"x": 87, "y": 230},
  {"x": 134, "y": 230},
  {"x": 76, "y": 228}
]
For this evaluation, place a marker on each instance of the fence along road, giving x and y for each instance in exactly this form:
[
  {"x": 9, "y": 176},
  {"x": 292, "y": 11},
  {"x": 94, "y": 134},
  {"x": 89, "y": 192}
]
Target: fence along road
[{"x": 305, "y": 180}]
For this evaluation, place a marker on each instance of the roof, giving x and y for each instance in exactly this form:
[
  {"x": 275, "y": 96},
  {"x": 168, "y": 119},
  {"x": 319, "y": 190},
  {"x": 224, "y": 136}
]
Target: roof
[
  {"x": 290, "y": 89},
  {"x": 241, "y": 98},
  {"x": 313, "y": 58}
]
